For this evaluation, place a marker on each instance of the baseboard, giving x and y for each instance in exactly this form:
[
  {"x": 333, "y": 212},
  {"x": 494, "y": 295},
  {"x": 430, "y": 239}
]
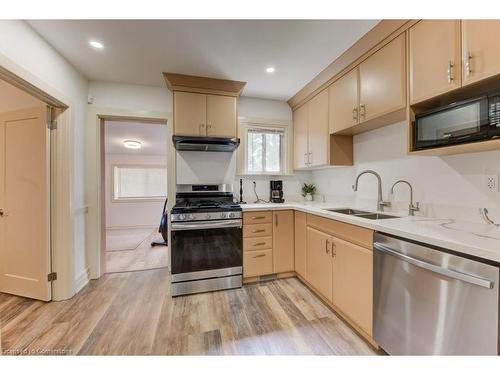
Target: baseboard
[
  {"x": 125, "y": 227},
  {"x": 82, "y": 280}
]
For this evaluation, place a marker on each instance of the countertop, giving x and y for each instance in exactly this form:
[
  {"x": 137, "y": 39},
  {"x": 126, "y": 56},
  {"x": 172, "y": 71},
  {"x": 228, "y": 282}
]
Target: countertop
[{"x": 479, "y": 240}]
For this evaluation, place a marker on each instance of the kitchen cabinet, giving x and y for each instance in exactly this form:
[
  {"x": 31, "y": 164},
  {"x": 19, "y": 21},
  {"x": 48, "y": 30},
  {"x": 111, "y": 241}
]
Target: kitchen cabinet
[
  {"x": 318, "y": 130},
  {"x": 382, "y": 81},
  {"x": 352, "y": 282},
  {"x": 343, "y": 102},
  {"x": 300, "y": 234},
  {"x": 434, "y": 58},
  {"x": 319, "y": 262},
  {"x": 204, "y": 115},
  {"x": 257, "y": 263},
  {"x": 190, "y": 113},
  {"x": 300, "y": 140},
  {"x": 283, "y": 241},
  {"x": 257, "y": 243},
  {"x": 481, "y": 55}
]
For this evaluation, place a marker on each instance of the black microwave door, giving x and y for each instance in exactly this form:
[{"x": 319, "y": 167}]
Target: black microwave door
[{"x": 494, "y": 116}]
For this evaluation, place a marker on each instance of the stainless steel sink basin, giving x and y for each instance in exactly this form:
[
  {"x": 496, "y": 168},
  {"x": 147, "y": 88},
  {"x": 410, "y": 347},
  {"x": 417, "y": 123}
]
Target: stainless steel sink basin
[
  {"x": 347, "y": 211},
  {"x": 376, "y": 216},
  {"x": 360, "y": 213}
]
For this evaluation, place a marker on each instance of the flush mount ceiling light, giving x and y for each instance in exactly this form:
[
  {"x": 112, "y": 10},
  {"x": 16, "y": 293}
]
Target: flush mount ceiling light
[
  {"x": 270, "y": 69},
  {"x": 132, "y": 144},
  {"x": 96, "y": 44}
]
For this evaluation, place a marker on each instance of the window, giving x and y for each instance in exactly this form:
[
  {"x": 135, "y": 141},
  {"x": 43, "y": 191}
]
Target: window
[
  {"x": 139, "y": 182},
  {"x": 264, "y": 150}
]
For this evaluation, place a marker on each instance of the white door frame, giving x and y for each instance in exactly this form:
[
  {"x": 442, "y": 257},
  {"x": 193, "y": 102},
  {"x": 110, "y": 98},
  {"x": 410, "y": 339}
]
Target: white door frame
[
  {"x": 61, "y": 173},
  {"x": 94, "y": 160}
]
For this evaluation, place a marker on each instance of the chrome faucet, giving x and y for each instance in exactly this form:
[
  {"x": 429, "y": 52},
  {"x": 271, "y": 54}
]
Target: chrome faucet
[
  {"x": 412, "y": 208},
  {"x": 380, "y": 203}
]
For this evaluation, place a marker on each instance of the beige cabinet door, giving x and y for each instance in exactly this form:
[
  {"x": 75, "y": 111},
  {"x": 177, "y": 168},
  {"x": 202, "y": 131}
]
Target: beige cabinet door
[
  {"x": 283, "y": 241},
  {"x": 352, "y": 282},
  {"x": 190, "y": 113},
  {"x": 221, "y": 116},
  {"x": 318, "y": 131},
  {"x": 382, "y": 81},
  {"x": 435, "y": 63},
  {"x": 24, "y": 200},
  {"x": 480, "y": 48},
  {"x": 300, "y": 141},
  {"x": 300, "y": 243},
  {"x": 319, "y": 262},
  {"x": 344, "y": 102}
]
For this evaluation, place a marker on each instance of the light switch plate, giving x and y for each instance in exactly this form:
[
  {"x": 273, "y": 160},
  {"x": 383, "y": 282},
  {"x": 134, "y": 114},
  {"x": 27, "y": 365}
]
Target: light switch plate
[{"x": 492, "y": 183}]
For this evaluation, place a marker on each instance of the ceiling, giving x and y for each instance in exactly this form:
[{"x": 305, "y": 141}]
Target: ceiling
[
  {"x": 137, "y": 51},
  {"x": 13, "y": 99},
  {"x": 152, "y": 136}
]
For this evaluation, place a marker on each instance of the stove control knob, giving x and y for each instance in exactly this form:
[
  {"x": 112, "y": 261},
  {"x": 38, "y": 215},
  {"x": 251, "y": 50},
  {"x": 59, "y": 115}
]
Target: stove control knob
[
  {"x": 208, "y": 216},
  {"x": 231, "y": 215},
  {"x": 189, "y": 216},
  {"x": 182, "y": 217}
]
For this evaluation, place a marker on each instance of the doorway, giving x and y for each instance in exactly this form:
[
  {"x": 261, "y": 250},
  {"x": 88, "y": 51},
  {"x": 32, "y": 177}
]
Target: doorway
[{"x": 134, "y": 195}]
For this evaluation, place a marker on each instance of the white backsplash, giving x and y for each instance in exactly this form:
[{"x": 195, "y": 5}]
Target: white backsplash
[
  {"x": 447, "y": 186},
  {"x": 196, "y": 167}
]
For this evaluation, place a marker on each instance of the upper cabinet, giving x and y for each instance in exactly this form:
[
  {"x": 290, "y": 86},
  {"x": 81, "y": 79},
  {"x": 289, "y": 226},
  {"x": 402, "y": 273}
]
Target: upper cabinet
[
  {"x": 204, "y": 106},
  {"x": 318, "y": 134},
  {"x": 300, "y": 138},
  {"x": 344, "y": 102},
  {"x": 434, "y": 54},
  {"x": 382, "y": 81},
  {"x": 480, "y": 49}
]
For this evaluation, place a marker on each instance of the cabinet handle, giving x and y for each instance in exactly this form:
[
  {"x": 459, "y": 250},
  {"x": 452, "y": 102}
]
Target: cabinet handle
[
  {"x": 450, "y": 71},
  {"x": 334, "y": 252},
  {"x": 310, "y": 158},
  {"x": 202, "y": 128},
  {"x": 259, "y": 244},
  {"x": 258, "y": 231},
  {"x": 327, "y": 249},
  {"x": 355, "y": 114},
  {"x": 276, "y": 222},
  {"x": 305, "y": 158},
  {"x": 362, "y": 111},
  {"x": 260, "y": 256},
  {"x": 3, "y": 213},
  {"x": 258, "y": 217},
  {"x": 468, "y": 58},
  {"x": 209, "y": 128}
]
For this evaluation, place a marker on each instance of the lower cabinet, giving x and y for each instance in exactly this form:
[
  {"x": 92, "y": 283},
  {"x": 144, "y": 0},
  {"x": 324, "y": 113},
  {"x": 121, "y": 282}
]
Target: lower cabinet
[
  {"x": 319, "y": 262},
  {"x": 283, "y": 241},
  {"x": 257, "y": 262},
  {"x": 353, "y": 282},
  {"x": 300, "y": 243}
]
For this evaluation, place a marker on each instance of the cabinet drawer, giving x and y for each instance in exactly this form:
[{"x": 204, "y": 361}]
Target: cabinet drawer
[
  {"x": 257, "y": 217},
  {"x": 257, "y": 230},
  {"x": 256, "y": 263},
  {"x": 257, "y": 243}
]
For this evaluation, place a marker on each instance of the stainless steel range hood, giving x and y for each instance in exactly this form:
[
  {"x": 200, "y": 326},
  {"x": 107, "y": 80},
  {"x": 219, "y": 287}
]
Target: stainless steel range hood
[{"x": 217, "y": 144}]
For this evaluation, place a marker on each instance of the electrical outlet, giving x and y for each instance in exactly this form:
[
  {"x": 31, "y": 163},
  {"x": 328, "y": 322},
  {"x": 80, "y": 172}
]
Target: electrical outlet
[{"x": 492, "y": 183}]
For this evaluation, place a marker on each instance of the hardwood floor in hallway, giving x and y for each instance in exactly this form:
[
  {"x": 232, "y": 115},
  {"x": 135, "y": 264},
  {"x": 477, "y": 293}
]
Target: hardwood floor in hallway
[{"x": 133, "y": 313}]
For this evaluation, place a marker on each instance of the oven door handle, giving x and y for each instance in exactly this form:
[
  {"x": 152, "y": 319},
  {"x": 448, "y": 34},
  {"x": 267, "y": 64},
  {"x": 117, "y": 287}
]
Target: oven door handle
[
  {"x": 436, "y": 269},
  {"x": 214, "y": 224}
]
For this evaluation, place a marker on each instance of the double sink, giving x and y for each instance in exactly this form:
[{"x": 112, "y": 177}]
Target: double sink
[{"x": 362, "y": 214}]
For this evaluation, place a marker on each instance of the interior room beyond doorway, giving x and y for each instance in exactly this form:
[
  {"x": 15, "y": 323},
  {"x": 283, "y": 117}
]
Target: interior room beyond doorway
[{"x": 135, "y": 175}]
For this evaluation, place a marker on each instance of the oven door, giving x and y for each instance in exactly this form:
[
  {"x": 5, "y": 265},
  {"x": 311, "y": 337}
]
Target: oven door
[
  {"x": 457, "y": 123},
  {"x": 206, "y": 249}
]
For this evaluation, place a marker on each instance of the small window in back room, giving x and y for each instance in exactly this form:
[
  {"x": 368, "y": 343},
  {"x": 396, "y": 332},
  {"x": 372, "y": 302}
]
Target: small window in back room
[
  {"x": 264, "y": 153},
  {"x": 139, "y": 182}
]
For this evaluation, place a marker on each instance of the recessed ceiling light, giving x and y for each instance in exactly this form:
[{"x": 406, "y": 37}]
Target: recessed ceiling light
[
  {"x": 270, "y": 69},
  {"x": 96, "y": 44},
  {"x": 132, "y": 144}
]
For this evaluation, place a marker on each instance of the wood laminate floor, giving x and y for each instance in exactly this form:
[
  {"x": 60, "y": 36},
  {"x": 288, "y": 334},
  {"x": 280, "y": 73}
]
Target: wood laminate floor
[
  {"x": 133, "y": 313},
  {"x": 144, "y": 257}
]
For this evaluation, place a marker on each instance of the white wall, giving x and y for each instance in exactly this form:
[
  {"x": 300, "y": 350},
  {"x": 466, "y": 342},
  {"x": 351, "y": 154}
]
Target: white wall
[
  {"x": 448, "y": 186},
  {"x": 23, "y": 46},
  {"x": 264, "y": 108},
  {"x": 131, "y": 214}
]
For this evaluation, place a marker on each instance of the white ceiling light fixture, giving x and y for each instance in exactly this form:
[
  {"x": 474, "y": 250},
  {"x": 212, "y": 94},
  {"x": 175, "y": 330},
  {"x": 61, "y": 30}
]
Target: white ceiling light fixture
[
  {"x": 128, "y": 143},
  {"x": 96, "y": 44},
  {"x": 271, "y": 69}
]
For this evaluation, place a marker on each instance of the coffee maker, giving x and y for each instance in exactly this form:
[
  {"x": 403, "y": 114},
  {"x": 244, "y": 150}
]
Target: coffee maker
[{"x": 276, "y": 191}]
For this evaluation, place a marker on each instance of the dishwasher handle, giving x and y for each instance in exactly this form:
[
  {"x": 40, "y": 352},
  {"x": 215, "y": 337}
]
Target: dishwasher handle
[{"x": 436, "y": 269}]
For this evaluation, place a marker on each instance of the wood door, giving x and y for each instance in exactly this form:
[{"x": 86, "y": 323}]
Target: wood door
[
  {"x": 382, "y": 81},
  {"x": 221, "y": 116},
  {"x": 480, "y": 48},
  {"x": 190, "y": 113},
  {"x": 318, "y": 131},
  {"x": 352, "y": 282},
  {"x": 300, "y": 243},
  {"x": 435, "y": 63},
  {"x": 300, "y": 137},
  {"x": 24, "y": 197},
  {"x": 283, "y": 241},
  {"x": 319, "y": 262},
  {"x": 344, "y": 102}
]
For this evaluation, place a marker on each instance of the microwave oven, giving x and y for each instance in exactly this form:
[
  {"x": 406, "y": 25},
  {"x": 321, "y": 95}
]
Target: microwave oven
[{"x": 461, "y": 122}]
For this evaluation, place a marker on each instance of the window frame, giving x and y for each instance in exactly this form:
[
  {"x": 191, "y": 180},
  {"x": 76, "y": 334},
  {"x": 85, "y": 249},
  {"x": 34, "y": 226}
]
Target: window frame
[
  {"x": 136, "y": 199},
  {"x": 285, "y": 145}
]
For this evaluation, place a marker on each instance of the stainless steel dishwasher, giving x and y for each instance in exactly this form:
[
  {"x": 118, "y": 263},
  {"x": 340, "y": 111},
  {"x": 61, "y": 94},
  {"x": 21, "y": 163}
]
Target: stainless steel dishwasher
[{"x": 428, "y": 301}]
